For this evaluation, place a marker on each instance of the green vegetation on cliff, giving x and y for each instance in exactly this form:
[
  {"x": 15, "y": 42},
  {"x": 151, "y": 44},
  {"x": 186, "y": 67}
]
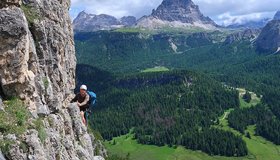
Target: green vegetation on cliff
[{"x": 13, "y": 121}]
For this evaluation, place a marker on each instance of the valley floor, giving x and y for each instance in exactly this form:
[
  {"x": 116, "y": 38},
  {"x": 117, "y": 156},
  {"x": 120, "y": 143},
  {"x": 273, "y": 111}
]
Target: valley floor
[
  {"x": 125, "y": 145},
  {"x": 259, "y": 148}
]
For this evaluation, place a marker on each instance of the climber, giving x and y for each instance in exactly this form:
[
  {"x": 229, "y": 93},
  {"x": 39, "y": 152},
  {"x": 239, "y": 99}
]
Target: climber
[{"x": 82, "y": 100}]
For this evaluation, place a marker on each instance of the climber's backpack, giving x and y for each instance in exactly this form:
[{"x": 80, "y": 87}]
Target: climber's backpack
[{"x": 92, "y": 99}]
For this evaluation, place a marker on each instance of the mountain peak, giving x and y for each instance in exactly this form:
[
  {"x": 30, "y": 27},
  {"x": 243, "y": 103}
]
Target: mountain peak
[
  {"x": 179, "y": 11},
  {"x": 175, "y": 10},
  {"x": 277, "y": 16},
  {"x": 82, "y": 13},
  {"x": 268, "y": 40},
  {"x": 176, "y": 2},
  {"x": 128, "y": 20}
]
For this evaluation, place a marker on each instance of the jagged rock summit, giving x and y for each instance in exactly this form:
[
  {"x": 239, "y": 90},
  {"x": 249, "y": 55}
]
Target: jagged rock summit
[
  {"x": 85, "y": 22},
  {"x": 244, "y": 35},
  {"x": 269, "y": 39},
  {"x": 37, "y": 65},
  {"x": 177, "y": 13},
  {"x": 277, "y": 16},
  {"x": 128, "y": 21}
]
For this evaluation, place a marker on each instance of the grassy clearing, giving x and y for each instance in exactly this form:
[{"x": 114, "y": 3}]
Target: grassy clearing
[
  {"x": 187, "y": 30},
  {"x": 125, "y": 145},
  {"x": 259, "y": 148},
  {"x": 155, "y": 69},
  {"x": 255, "y": 99},
  {"x": 136, "y": 30}
]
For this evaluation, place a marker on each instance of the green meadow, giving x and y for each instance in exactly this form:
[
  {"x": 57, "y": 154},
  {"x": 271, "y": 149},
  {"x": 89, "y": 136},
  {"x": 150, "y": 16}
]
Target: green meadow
[
  {"x": 155, "y": 69},
  {"x": 259, "y": 148}
]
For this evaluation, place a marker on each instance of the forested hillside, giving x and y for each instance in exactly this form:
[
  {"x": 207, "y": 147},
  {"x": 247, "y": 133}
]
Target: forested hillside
[
  {"x": 168, "y": 108},
  {"x": 120, "y": 52}
]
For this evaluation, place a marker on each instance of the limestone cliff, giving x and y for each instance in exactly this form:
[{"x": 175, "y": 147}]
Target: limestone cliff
[
  {"x": 37, "y": 65},
  {"x": 244, "y": 35},
  {"x": 277, "y": 16},
  {"x": 178, "y": 14},
  {"x": 268, "y": 41}
]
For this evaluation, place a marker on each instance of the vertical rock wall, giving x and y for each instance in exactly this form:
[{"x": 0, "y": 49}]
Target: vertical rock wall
[{"x": 37, "y": 64}]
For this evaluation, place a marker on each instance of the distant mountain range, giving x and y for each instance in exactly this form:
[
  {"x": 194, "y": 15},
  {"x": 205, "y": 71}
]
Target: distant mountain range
[
  {"x": 90, "y": 22},
  {"x": 253, "y": 24},
  {"x": 169, "y": 14}
]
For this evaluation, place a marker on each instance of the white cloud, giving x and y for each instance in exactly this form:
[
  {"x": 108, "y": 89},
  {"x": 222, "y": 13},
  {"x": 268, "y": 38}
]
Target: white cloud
[
  {"x": 238, "y": 11},
  {"x": 222, "y": 11},
  {"x": 117, "y": 8},
  {"x": 227, "y": 19}
]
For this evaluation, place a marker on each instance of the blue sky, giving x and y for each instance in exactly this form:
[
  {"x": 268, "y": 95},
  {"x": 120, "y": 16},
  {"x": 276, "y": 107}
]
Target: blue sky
[{"x": 222, "y": 11}]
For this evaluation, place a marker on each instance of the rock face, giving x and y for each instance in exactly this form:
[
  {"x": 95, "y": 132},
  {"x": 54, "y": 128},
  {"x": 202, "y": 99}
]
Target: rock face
[
  {"x": 98, "y": 158},
  {"x": 6, "y": 3},
  {"x": 2, "y": 156},
  {"x": 128, "y": 21},
  {"x": 277, "y": 16},
  {"x": 37, "y": 64},
  {"x": 1, "y": 104},
  {"x": 177, "y": 13},
  {"x": 90, "y": 22},
  {"x": 37, "y": 55},
  {"x": 269, "y": 39},
  {"x": 248, "y": 34}
]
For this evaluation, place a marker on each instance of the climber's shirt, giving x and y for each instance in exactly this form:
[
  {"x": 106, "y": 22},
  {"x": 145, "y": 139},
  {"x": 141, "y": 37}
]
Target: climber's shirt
[{"x": 82, "y": 100}]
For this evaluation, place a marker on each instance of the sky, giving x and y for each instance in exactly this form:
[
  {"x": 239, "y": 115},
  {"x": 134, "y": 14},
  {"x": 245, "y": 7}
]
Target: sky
[{"x": 223, "y": 12}]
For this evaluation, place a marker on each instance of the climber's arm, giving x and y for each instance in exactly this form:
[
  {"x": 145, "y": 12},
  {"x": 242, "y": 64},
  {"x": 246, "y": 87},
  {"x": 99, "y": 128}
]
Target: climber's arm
[{"x": 75, "y": 99}]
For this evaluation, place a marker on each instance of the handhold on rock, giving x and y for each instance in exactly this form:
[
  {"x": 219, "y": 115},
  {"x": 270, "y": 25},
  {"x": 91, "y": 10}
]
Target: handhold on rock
[
  {"x": 2, "y": 156},
  {"x": 1, "y": 106},
  {"x": 98, "y": 158},
  {"x": 7, "y": 3}
]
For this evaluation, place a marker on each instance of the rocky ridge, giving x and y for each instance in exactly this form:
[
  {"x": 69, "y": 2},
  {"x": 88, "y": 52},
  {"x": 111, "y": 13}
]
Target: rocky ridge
[
  {"x": 90, "y": 22},
  {"x": 277, "y": 16},
  {"x": 269, "y": 38},
  {"x": 37, "y": 65},
  {"x": 245, "y": 35}
]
